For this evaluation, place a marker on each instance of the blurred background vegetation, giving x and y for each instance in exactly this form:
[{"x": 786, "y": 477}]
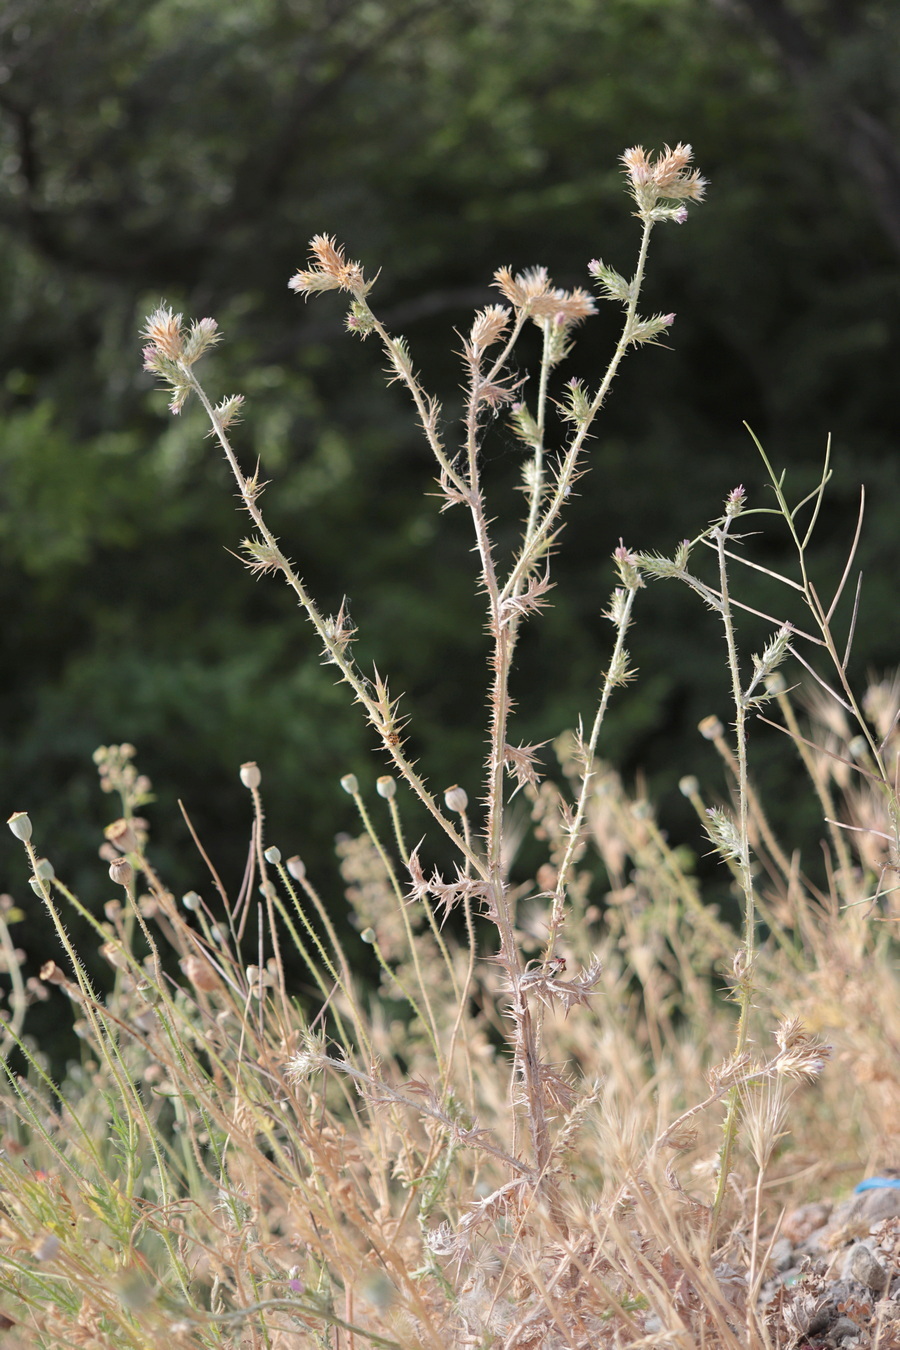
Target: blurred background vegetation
[{"x": 186, "y": 150}]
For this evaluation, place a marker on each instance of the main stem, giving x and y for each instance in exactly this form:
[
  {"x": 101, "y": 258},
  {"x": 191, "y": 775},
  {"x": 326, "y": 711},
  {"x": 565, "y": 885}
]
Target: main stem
[{"x": 720, "y": 535}]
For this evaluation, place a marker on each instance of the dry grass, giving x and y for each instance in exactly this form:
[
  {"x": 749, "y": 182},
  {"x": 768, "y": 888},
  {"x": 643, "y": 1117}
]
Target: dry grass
[{"x": 576, "y": 1128}]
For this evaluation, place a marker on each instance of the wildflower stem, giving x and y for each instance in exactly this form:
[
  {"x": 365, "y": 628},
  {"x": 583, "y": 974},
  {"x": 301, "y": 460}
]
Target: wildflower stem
[
  {"x": 720, "y": 536},
  {"x": 357, "y": 684}
]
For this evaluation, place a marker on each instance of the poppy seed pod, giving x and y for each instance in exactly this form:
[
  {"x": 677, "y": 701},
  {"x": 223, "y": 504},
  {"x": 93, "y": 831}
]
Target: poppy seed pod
[
  {"x": 121, "y": 872},
  {"x": 350, "y": 784},
  {"x": 456, "y": 799},
  {"x": 386, "y": 787},
  {"x": 20, "y": 825},
  {"x": 250, "y": 774}
]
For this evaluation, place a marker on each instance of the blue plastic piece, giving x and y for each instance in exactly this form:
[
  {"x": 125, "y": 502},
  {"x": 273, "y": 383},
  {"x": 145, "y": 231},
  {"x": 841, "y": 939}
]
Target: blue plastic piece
[{"x": 877, "y": 1184}]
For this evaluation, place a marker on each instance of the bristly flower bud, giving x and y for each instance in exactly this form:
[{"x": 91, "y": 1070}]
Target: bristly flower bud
[
  {"x": 273, "y": 855},
  {"x": 577, "y": 406},
  {"x": 250, "y": 774},
  {"x": 648, "y": 330},
  {"x": 612, "y": 285},
  {"x": 386, "y": 787},
  {"x": 627, "y": 566},
  {"x": 350, "y": 784},
  {"x": 735, "y": 501},
  {"x": 359, "y": 319},
  {"x": 202, "y": 336},
  {"x": 524, "y": 425},
  {"x": 723, "y": 833},
  {"x": 772, "y": 655},
  {"x": 228, "y": 412},
  {"x": 456, "y": 799},
  {"x": 20, "y": 824}
]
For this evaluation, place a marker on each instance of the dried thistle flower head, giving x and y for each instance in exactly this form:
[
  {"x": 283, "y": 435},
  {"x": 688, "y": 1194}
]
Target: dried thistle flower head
[
  {"x": 171, "y": 350},
  {"x": 488, "y": 327},
  {"x": 330, "y": 270},
  {"x": 656, "y": 184},
  {"x": 533, "y": 292},
  {"x": 163, "y": 330}
]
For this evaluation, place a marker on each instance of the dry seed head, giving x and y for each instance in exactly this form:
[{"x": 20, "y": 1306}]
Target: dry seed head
[
  {"x": 200, "y": 973},
  {"x": 51, "y": 974},
  {"x": 350, "y": 784},
  {"x": 121, "y": 872},
  {"x": 112, "y": 952},
  {"x": 456, "y": 799},
  {"x": 250, "y": 774},
  {"x": 273, "y": 855},
  {"x": 386, "y": 787},
  {"x": 44, "y": 869},
  {"x": 121, "y": 834},
  {"x": 20, "y": 824},
  {"x": 296, "y": 867}
]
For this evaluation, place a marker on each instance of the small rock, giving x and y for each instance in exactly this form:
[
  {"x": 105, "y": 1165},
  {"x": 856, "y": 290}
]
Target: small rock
[
  {"x": 842, "y": 1329},
  {"x": 863, "y": 1265},
  {"x": 800, "y": 1223},
  {"x": 781, "y": 1256}
]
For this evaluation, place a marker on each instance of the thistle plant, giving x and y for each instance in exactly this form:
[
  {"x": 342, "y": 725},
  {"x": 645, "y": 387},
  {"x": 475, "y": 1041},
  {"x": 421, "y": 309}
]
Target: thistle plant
[
  {"x": 481, "y": 1151},
  {"x": 659, "y": 188}
]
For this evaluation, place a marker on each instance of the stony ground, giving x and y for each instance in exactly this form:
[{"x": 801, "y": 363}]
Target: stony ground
[{"x": 835, "y": 1282}]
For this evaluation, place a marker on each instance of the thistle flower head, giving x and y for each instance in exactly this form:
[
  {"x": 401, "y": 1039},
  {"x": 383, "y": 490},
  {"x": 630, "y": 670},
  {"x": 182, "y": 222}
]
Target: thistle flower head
[
  {"x": 534, "y": 292},
  {"x": 656, "y": 183},
  {"x": 330, "y": 270},
  {"x": 163, "y": 330}
]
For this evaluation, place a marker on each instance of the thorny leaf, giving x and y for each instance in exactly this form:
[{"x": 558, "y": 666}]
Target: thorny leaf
[
  {"x": 521, "y": 760},
  {"x": 446, "y": 894},
  {"x": 530, "y": 600}
]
